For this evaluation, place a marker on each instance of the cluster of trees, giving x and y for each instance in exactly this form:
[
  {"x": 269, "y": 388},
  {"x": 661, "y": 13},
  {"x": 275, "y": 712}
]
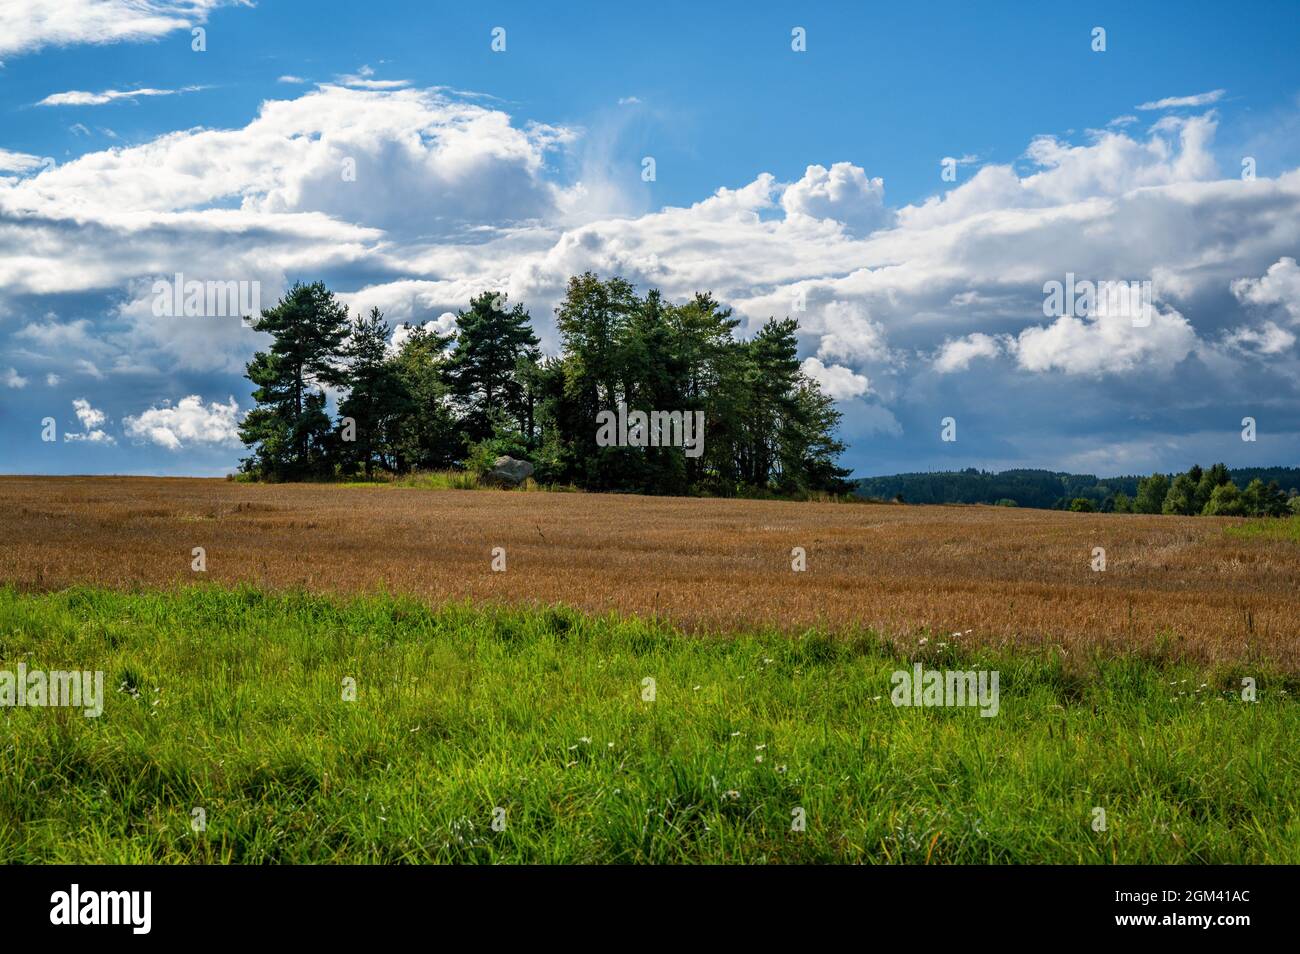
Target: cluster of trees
[
  {"x": 1211, "y": 493},
  {"x": 427, "y": 401}
]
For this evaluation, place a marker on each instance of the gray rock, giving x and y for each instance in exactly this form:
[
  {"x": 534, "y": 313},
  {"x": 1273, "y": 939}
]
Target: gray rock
[{"x": 508, "y": 472}]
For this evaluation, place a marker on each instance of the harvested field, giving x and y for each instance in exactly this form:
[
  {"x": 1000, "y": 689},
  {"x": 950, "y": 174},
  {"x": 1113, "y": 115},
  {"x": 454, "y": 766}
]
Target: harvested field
[{"x": 1173, "y": 586}]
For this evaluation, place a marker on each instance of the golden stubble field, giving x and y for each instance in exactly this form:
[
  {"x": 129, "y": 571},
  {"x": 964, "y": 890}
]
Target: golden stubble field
[{"x": 994, "y": 575}]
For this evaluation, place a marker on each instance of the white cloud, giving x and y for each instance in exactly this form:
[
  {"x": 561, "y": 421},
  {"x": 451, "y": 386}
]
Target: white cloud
[
  {"x": 90, "y": 368},
  {"x": 1106, "y": 344},
  {"x": 836, "y": 381},
  {"x": 364, "y": 79},
  {"x": 1173, "y": 102},
  {"x": 629, "y": 101},
  {"x": 188, "y": 422},
  {"x": 848, "y": 332},
  {"x": 289, "y": 78},
  {"x": 91, "y": 420},
  {"x": 444, "y": 324},
  {"x": 52, "y": 380},
  {"x": 842, "y": 193},
  {"x": 27, "y": 25},
  {"x": 12, "y": 379},
  {"x": 18, "y": 161},
  {"x": 957, "y": 354},
  {"x": 82, "y": 98},
  {"x": 1111, "y": 166},
  {"x": 406, "y": 158},
  {"x": 1268, "y": 338},
  {"x": 1280, "y": 285}
]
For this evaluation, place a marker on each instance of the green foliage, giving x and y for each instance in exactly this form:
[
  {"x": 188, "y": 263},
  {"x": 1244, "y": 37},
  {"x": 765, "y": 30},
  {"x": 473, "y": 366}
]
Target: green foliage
[
  {"x": 1265, "y": 500},
  {"x": 1181, "y": 498},
  {"x": 375, "y": 399},
  {"x": 1082, "y": 505},
  {"x": 1226, "y": 501},
  {"x": 484, "y": 369},
  {"x": 289, "y": 430},
  {"x": 1151, "y": 494},
  {"x": 424, "y": 435}
]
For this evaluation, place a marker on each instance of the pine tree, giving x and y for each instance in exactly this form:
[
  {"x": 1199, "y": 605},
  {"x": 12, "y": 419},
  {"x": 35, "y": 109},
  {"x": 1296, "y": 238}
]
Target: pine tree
[
  {"x": 425, "y": 436},
  {"x": 483, "y": 370},
  {"x": 289, "y": 430},
  {"x": 374, "y": 398}
]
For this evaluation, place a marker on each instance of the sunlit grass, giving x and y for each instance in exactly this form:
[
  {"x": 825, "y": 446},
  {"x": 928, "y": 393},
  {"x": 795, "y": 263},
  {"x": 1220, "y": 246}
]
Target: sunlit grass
[
  {"x": 235, "y": 706},
  {"x": 1269, "y": 528}
]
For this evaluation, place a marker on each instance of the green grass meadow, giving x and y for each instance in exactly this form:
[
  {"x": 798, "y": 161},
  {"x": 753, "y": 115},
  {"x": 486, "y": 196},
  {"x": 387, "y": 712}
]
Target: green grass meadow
[{"x": 231, "y": 701}]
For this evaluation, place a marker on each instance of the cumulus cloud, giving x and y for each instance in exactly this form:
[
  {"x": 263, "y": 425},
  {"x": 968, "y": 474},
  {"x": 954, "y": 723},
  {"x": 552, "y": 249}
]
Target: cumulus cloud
[
  {"x": 1280, "y": 286},
  {"x": 1112, "y": 165},
  {"x": 402, "y": 159},
  {"x": 848, "y": 332},
  {"x": 836, "y": 381},
  {"x": 189, "y": 422},
  {"x": 91, "y": 420},
  {"x": 12, "y": 379},
  {"x": 957, "y": 354},
  {"x": 1105, "y": 343},
  {"x": 842, "y": 193},
  {"x": 33, "y": 24},
  {"x": 1268, "y": 338}
]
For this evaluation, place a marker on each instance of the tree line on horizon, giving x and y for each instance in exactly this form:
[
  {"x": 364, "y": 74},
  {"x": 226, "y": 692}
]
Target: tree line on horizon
[
  {"x": 423, "y": 400},
  {"x": 1251, "y": 491}
]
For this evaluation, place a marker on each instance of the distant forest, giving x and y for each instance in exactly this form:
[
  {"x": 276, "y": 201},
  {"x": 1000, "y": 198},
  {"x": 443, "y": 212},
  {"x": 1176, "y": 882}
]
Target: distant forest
[{"x": 1053, "y": 490}]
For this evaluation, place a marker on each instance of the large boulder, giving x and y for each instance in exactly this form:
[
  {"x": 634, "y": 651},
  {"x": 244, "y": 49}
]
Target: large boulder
[{"x": 508, "y": 472}]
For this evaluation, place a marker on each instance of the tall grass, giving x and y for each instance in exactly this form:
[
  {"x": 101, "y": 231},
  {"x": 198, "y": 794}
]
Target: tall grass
[{"x": 231, "y": 701}]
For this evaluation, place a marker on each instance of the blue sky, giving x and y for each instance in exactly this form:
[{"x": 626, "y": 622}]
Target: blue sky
[{"x": 922, "y": 298}]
